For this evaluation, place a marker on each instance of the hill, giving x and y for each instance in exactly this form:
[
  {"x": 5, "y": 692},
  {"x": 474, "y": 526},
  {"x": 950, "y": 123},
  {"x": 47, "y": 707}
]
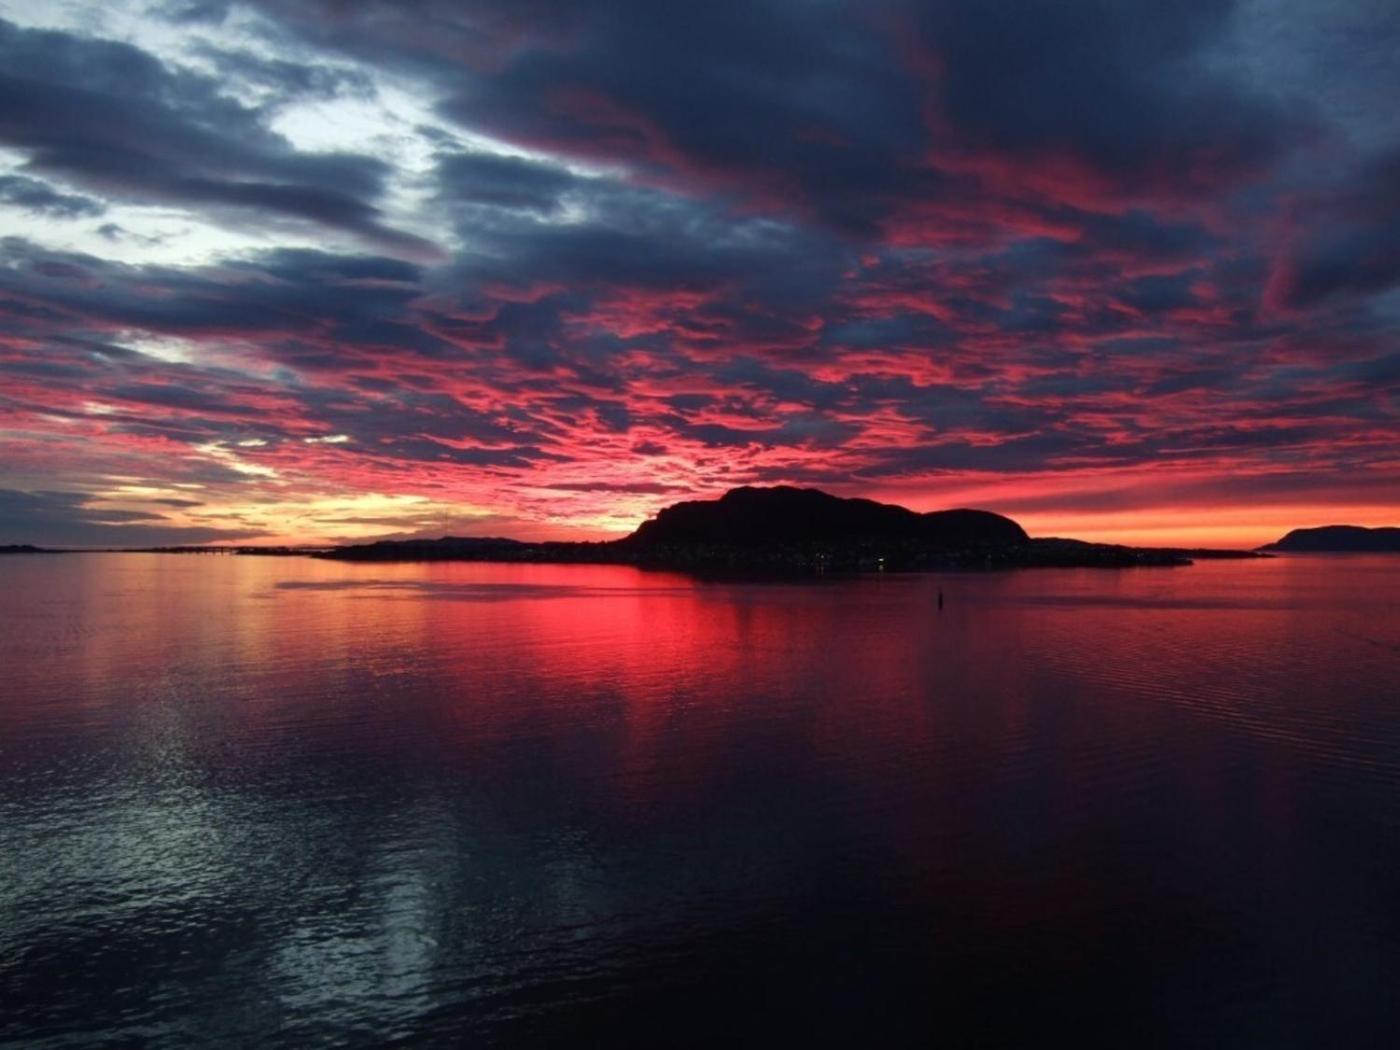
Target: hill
[
  {"x": 753, "y": 517},
  {"x": 1338, "y": 539}
]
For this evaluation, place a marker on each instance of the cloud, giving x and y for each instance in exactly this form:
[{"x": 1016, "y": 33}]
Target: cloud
[
  {"x": 38, "y": 196},
  {"x": 67, "y": 519},
  {"x": 1349, "y": 243},
  {"x": 110, "y": 117},
  {"x": 1122, "y": 98},
  {"x": 561, "y": 263}
]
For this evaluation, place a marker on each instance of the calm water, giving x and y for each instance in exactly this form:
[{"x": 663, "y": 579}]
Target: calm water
[{"x": 294, "y": 803}]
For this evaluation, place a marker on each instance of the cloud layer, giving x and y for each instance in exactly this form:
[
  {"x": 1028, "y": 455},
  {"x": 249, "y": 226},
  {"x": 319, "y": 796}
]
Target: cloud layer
[{"x": 293, "y": 271}]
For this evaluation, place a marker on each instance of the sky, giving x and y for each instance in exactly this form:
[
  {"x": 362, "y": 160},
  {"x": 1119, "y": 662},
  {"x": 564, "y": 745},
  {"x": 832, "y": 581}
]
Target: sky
[{"x": 309, "y": 271}]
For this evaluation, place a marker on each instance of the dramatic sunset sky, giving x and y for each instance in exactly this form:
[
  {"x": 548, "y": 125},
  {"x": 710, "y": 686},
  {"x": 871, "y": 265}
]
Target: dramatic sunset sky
[{"x": 297, "y": 270}]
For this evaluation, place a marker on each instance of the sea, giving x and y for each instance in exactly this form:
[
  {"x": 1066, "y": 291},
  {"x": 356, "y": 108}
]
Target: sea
[{"x": 289, "y": 802}]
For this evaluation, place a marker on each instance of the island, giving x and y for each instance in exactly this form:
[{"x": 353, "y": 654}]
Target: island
[
  {"x": 1338, "y": 539},
  {"x": 787, "y": 530}
]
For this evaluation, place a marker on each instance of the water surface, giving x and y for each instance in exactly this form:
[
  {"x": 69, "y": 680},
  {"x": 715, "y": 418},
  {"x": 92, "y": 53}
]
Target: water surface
[{"x": 296, "y": 803}]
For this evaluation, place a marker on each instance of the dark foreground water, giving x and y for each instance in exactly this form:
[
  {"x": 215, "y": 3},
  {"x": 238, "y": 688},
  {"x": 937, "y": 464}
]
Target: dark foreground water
[{"x": 294, "y": 803}]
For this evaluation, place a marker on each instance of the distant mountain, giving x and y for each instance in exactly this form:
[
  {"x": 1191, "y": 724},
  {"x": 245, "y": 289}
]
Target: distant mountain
[
  {"x": 447, "y": 548},
  {"x": 1339, "y": 539},
  {"x": 21, "y": 548},
  {"x": 754, "y": 517}
]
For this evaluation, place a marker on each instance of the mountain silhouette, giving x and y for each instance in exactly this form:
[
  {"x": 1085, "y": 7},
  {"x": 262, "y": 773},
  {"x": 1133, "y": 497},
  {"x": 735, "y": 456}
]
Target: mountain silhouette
[
  {"x": 786, "y": 531},
  {"x": 1339, "y": 539},
  {"x": 752, "y": 517}
]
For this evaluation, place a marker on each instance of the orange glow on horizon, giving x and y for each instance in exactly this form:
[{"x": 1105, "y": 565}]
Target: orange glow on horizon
[{"x": 1229, "y": 527}]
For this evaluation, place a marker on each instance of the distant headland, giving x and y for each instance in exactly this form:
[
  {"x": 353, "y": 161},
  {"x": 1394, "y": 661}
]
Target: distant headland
[
  {"x": 1338, "y": 539},
  {"x": 796, "y": 530}
]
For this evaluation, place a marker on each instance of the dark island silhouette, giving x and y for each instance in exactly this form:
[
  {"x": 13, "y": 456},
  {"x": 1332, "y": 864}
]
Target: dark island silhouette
[
  {"x": 1338, "y": 539},
  {"x": 752, "y": 517},
  {"x": 796, "y": 530}
]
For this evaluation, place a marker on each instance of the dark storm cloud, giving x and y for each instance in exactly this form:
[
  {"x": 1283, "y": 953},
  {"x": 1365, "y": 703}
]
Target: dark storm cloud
[
  {"x": 114, "y": 119},
  {"x": 503, "y": 182},
  {"x": 68, "y": 519},
  {"x": 1351, "y": 239},
  {"x": 851, "y": 113},
  {"x": 38, "y": 196},
  {"x": 769, "y": 94},
  {"x": 1124, "y": 88},
  {"x": 359, "y": 301},
  {"x": 629, "y": 236},
  {"x": 719, "y": 93}
]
